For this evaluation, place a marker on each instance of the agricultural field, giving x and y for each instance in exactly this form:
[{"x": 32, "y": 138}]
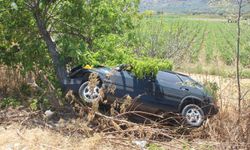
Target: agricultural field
[{"x": 195, "y": 44}]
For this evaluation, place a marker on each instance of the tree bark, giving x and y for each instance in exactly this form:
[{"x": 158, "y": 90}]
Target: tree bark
[
  {"x": 238, "y": 55},
  {"x": 60, "y": 68},
  {"x": 248, "y": 132}
]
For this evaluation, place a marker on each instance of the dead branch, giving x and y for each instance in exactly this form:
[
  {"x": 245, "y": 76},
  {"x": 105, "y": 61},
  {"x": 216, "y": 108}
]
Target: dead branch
[{"x": 139, "y": 112}]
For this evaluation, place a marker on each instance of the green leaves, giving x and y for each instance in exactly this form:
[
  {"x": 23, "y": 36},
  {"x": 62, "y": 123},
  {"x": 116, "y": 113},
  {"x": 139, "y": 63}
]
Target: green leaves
[
  {"x": 76, "y": 26},
  {"x": 85, "y": 32},
  {"x": 149, "y": 67},
  {"x": 95, "y": 27},
  {"x": 9, "y": 101},
  {"x": 20, "y": 40}
]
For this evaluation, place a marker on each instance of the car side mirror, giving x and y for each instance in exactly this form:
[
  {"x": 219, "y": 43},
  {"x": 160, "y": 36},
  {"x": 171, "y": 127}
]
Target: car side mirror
[{"x": 126, "y": 67}]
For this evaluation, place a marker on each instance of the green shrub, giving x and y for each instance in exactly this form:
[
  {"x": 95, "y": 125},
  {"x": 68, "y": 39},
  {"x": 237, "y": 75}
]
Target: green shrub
[
  {"x": 25, "y": 89},
  {"x": 112, "y": 54},
  {"x": 212, "y": 88},
  {"x": 199, "y": 69},
  {"x": 39, "y": 104},
  {"x": 149, "y": 67},
  {"x": 9, "y": 101},
  {"x": 245, "y": 57},
  {"x": 154, "y": 147},
  {"x": 34, "y": 104},
  {"x": 245, "y": 74}
]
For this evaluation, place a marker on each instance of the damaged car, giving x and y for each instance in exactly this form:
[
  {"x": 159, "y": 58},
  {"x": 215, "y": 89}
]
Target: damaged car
[{"x": 167, "y": 92}]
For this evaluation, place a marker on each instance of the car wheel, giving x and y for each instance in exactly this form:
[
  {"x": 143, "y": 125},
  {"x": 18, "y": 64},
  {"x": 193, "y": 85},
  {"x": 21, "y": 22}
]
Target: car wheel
[
  {"x": 193, "y": 115},
  {"x": 89, "y": 94}
]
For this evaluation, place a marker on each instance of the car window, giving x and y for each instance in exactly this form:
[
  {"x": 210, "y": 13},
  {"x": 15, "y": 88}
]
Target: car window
[
  {"x": 189, "y": 81},
  {"x": 186, "y": 78},
  {"x": 172, "y": 78}
]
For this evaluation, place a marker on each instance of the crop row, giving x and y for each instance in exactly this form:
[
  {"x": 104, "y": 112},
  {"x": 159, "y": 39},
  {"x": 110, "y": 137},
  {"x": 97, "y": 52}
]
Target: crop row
[{"x": 167, "y": 37}]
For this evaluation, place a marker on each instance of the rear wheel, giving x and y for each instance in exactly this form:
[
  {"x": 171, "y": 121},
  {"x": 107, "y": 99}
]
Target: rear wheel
[
  {"x": 89, "y": 93},
  {"x": 193, "y": 115}
]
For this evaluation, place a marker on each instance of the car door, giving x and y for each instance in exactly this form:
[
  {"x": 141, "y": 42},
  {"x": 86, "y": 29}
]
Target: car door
[
  {"x": 126, "y": 83},
  {"x": 139, "y": 89},
  {"x": 169, "y": 91}
]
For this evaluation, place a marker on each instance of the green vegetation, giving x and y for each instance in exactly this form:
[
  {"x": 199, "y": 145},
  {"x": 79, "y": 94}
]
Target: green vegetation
[
  {"x": 9, "y": 101},
  {"x": 188, "y": 41},
  {"x": 113, "y": 54},
  {"x": 149, "y": 67},
  {"x": 180, "y": 6},
  {"x": 39, "y": 35},
  {"x": 154, "y": 147},
  {"x": 44, "y": 34},
  {"x": 193, "y": 7},
  {"x": 83, "y": 35},
  {"x": 212, "y": 88}
]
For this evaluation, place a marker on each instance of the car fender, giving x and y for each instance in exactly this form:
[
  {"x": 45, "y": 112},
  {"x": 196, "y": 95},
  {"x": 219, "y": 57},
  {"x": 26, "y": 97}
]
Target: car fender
[{"x": 186, "y": 98}]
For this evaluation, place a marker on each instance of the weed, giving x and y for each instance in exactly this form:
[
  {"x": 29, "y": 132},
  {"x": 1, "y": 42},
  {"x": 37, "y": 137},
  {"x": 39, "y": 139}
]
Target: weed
[
  {"x": 154, "y": 147},
  {"x": 34, "y": 104},
  {"x": 9, "y": 101},
  {"x": 212, "y": 88}
]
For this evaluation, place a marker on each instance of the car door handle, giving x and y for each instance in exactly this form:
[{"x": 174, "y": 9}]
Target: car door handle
[{"x": 184, "y": 88}]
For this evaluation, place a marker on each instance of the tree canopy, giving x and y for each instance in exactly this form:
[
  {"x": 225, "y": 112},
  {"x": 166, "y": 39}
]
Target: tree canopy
[{"x": 45, "y": 33}]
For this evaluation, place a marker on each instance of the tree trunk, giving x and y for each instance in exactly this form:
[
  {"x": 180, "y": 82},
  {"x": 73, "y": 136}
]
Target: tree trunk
[
  {"x": 52, "y": 48},
  {"x": 248, "y": 132},
  {"x": 238, "y": 56}
]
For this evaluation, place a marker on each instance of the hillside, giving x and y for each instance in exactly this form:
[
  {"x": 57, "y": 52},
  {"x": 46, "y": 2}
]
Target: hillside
[{"x": 180, "y": 6}]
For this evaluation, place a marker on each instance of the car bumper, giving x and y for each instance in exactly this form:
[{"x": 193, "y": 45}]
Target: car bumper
[{"x": 210, "y": 109}]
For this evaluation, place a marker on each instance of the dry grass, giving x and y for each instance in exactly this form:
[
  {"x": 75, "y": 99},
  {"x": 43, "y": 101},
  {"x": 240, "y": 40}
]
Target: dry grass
[
  {"x": 38, "y": 138},
  {"x": 227, "y": 93},
  {"x": 225, "y": 130},
  {"x": 12, "y": 79},
  {"x": 222, "y": 132},
  {"x": 11, "y": 76}
]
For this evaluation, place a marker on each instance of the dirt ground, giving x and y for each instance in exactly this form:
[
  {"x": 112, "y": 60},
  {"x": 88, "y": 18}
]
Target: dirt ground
[
  {"x": 15, "y": 137},
  {"x": 37, "y": 138},
  {"x": 12, "y": 138}
]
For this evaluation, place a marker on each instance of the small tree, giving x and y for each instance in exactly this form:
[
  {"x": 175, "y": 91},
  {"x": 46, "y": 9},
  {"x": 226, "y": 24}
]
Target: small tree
[
  {"x": 42, "y": 33},
  {"x": 240, "y": 4},
  {"x": 238, "y": 52}
]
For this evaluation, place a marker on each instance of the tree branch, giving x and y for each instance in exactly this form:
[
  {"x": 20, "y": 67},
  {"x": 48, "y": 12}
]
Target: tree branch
[
  {"x": 74, "y": 31},
  {"x": 51, "y": 11},
  {"x": 242, "y": 97}
]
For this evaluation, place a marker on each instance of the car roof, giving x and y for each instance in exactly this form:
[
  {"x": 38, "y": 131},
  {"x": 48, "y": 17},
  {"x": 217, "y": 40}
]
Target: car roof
[{"x": 181, "y": 74}]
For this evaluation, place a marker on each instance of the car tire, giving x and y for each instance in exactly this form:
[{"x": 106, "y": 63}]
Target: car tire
[
  {"x": 90, "y": 95},
  {"x": 193, "y": 115}
]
